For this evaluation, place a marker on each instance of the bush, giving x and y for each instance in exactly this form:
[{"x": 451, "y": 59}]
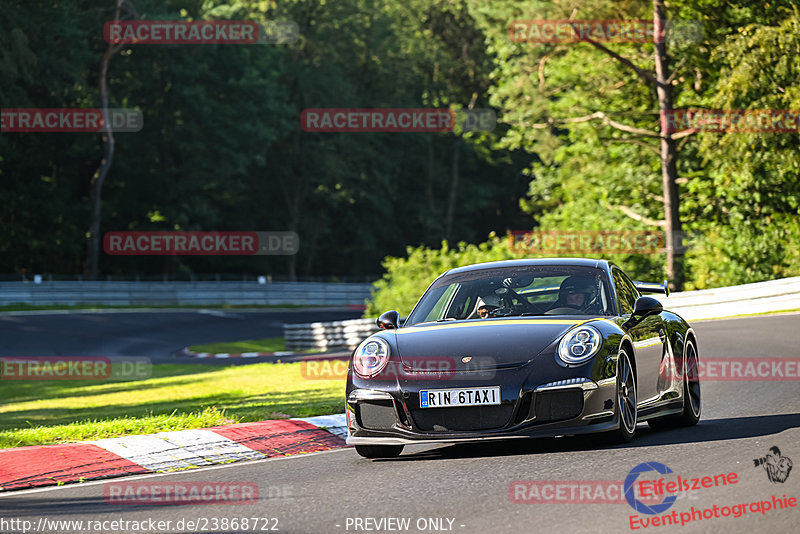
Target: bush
[
  {"x": 744, "y": 252},
  {"x": 748, "y": 251},
  {"x": 406, "y": 279}
]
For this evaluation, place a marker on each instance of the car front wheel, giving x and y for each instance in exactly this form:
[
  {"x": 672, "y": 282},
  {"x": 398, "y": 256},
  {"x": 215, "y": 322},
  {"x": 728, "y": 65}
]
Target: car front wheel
[{"x": 626, "y": 399}]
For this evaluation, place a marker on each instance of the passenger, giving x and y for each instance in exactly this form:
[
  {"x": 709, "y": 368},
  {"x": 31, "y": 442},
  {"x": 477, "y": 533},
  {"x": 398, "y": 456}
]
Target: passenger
[{"x": 579, "y": 293}]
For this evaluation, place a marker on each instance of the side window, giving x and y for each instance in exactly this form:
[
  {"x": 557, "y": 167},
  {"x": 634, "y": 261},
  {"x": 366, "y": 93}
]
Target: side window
[
  {"x": 461, "y": 305},
  {"x": 626, "y": 293},
  {"x": 437, "y": 312},
  {"x": 631, "y": 287}
]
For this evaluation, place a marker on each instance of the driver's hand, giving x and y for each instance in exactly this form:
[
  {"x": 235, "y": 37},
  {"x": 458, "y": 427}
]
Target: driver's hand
[{"x": 483, "y": 311}]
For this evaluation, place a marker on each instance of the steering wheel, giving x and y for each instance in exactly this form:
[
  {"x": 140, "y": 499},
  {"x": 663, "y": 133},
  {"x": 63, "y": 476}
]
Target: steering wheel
[
  {"x": 507, "y": 296},
  {"x": 502, "y": 311},
  {"x": 496, "y": 311}
]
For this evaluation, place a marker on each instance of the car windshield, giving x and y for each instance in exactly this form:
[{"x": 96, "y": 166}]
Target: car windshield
[{"x": 513, "y": 292}]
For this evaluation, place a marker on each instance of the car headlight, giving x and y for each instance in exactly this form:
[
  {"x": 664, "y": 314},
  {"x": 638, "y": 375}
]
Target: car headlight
[
  {"x": 371, "y": 357},
  {"x": 580, "y": 345}
]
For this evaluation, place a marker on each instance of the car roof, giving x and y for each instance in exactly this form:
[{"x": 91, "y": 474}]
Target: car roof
[{"x": 531, "y": 262}]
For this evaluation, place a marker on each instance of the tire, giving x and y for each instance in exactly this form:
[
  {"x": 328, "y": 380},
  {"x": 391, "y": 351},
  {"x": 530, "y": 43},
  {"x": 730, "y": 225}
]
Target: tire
[
  {"x": 626, "y": 400},
  {"x": 692, "y": 404},
  {"x": 379, "y": 451}
]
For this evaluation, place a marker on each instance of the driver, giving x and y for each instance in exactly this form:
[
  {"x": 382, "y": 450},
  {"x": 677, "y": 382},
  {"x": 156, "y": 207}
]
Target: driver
[
  {"x": 577, "y": 292},
  {"x": 487, "y": 304}
]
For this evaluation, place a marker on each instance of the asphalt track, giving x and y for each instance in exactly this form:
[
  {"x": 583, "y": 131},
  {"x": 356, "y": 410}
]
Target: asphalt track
[
  {"x": 157, "y": 335},
  {"x": 325, "y": 492}
]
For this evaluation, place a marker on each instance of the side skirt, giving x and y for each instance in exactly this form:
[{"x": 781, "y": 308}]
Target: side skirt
[{"x": 660, "y": 411}]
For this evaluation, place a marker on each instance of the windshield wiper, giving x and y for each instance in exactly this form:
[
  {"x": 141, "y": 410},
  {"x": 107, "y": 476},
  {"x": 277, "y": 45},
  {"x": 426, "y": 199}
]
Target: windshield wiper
[{"x": 446, "y": 319}]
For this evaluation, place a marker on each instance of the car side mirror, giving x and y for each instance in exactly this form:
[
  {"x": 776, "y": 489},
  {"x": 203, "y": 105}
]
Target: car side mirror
[
  {"x": 643, "y": 307},
  {"x": 388, "y": 320}
]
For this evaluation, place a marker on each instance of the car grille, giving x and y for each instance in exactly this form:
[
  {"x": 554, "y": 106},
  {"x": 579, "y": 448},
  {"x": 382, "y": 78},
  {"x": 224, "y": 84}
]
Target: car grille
[
  {"x": 376, "y": 415},
  {"x": 462, "y": 419},
  {"x": 558, "y": 405}
]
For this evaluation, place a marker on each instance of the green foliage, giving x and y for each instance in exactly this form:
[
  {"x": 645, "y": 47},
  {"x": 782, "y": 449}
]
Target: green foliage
[
  {"x": 749, "y": 251},
  {"x": 749, "y": 196},
  {"x": 222, "y": 147},
  {"x": 742, "y": 190},
  {"x": 406, "y": 279},
  {"x": 740, "y": 204}
]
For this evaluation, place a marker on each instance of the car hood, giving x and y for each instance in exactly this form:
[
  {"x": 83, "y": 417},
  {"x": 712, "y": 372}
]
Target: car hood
[{"x": 489, "y": 343}]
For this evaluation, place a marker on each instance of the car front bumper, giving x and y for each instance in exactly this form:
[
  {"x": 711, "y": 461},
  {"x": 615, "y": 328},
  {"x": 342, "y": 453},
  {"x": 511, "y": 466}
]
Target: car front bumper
[{"x": 561, "y": 402}]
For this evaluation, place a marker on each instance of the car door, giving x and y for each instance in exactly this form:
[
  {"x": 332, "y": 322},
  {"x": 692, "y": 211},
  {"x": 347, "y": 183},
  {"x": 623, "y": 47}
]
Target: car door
[{"x": 648, "y": 337}]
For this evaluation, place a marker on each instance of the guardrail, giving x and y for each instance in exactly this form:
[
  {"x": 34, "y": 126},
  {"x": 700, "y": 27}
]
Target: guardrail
[
  {"x": 183, "y": 293},
  {"x": 775, "y": 295},
  {"x": 759, "y": 297},
  {"x": 326, "y": 336}
]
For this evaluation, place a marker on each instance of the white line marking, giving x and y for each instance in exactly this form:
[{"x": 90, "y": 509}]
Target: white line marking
[
  {"x": 211, "y": 446},
  {"x": 182, "y": 449},
  {"x": 335, "y": 424}
]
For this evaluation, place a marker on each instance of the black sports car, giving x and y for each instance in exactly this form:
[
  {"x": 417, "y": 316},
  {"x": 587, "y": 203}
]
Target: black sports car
[{"x": 523, "y": 348}]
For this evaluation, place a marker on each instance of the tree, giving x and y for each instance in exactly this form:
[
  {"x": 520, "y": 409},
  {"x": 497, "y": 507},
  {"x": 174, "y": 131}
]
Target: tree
[
  {"x": 661, "y": 81},
  {"x": 99, "y": 176},
  {"x": 748, "y": 200}
]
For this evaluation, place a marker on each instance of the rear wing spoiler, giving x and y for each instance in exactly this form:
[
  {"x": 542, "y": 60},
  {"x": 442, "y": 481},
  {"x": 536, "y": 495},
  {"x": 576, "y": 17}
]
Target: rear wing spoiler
[{"x": 648, "y": 287}]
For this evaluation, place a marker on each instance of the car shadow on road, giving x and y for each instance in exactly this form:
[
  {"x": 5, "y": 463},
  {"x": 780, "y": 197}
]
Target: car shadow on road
[
  {"x": 706, "y": 430},
  {"x": 27, "y": 506}
]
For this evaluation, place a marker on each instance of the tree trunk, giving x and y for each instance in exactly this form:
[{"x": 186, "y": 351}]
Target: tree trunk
[
  {"x": 294, "y": 193},
  {"x": 669, "y": 153},
  {"x": 451, "y": 202},
  {"x": 294, "y": 225},
  {"x": 431, "y": 233},
  {"x": 105, "y": 164}
]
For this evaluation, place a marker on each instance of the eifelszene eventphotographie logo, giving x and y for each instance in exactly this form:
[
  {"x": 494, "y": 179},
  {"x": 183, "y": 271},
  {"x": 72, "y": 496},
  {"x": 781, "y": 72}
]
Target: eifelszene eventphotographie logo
[{"x": 777, "y": 467}]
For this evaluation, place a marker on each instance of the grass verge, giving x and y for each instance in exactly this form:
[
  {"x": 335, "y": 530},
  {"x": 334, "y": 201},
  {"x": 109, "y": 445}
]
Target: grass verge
[
  {"x": 176, "y": 397},
  {"x": 269, "y": 344}
]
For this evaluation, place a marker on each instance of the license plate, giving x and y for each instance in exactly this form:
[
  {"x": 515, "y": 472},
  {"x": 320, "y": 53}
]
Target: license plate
[{"x": 443, "y": 398}]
